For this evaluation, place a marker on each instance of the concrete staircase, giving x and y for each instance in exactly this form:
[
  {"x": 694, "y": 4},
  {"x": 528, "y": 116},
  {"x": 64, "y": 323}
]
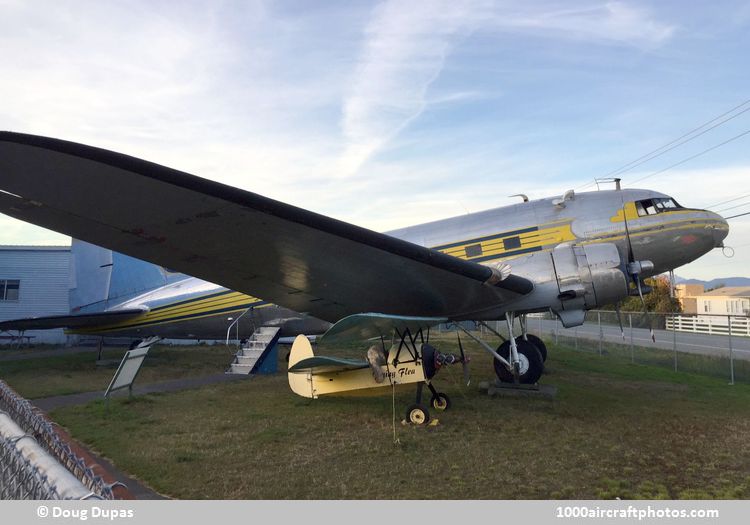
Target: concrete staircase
[{"x": 252, "y": 354}]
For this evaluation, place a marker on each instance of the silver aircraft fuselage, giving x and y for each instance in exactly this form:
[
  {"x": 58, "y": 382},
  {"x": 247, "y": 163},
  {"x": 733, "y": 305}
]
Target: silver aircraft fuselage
[{"x": 577, "y": 249}]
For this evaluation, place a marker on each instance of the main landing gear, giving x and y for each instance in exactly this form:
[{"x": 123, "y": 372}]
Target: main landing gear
[{"x": 518, "y": 359}]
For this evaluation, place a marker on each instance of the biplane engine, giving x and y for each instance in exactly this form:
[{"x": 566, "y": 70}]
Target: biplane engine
[{"x": 588, "y": 276}]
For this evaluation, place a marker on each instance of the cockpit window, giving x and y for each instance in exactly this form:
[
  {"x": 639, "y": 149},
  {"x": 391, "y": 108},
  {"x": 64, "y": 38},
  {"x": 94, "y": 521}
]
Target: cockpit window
[{"x": 654, "y": 206}]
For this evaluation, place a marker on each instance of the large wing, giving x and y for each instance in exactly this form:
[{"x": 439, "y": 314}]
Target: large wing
[
  {"x": 72, "y": 321},
  {"x": 241, "y": 240}
]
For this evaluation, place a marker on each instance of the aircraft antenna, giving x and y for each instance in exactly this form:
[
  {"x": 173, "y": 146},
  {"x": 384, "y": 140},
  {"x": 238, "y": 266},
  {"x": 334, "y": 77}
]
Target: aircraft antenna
[{"x": 615, "y": 180}]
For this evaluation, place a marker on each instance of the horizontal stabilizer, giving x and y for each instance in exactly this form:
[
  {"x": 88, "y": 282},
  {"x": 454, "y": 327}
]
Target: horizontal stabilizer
[{"x": 88, "y": 320}]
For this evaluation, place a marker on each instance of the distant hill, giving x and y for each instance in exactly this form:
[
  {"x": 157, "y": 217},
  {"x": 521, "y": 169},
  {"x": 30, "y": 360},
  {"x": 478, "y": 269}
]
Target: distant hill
[{"x": 713, "y": 283}]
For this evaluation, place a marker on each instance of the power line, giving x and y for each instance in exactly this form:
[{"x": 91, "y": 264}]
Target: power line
[
  {"x": 632, "y": 164},
  {"x": 693, "y": 156},
  {"x": 650, "y": 157},
  {"x": 735, "y": 216},
  {"x": 733, "y": 207},
  {"x": 727, "y": 201}
]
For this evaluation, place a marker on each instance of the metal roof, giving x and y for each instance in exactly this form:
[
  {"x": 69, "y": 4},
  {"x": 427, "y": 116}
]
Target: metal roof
[
  {"x": 19, "y": 247},
  {"x": 730, "y": 291}
]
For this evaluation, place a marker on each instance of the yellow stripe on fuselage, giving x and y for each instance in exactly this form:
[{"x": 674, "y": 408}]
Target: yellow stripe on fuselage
[
  {"x": 510, "y": 242},
  {"x": 197, "y": 308}
]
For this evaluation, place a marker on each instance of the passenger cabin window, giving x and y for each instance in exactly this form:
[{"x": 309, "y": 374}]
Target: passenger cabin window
[
  {"x": 475, "y": 250},
  {"x": 9, "y": 290},
  {"x": 654, "y": 206}
]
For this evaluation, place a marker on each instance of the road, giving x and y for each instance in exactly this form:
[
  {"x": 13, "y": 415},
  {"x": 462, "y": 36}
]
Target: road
[{"x": 714, "y": 345}]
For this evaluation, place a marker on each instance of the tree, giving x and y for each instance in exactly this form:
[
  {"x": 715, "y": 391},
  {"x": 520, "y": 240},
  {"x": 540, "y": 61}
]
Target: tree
[{"x": 659, "y": 300}]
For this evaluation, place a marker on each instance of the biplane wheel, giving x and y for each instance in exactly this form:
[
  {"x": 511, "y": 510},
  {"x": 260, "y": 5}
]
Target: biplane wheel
[
  {"x": 417, "y": 415},
  {"x": 536, "y": 341},
  {"x": 531, "y": 365},
  {"x": 440, "y": 402}
]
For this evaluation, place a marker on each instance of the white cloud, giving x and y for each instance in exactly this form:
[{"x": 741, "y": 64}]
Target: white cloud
[
  {"x": 299, "y": 110},
  {"x": 614, "y": 22},
  {"x": 404, "y": 51}
]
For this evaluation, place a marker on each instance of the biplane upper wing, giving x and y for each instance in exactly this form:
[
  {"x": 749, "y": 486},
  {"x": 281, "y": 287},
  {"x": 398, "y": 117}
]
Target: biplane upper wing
[
  {"x": 249, "y": 243},
  {"x": 359, "y": 327}
]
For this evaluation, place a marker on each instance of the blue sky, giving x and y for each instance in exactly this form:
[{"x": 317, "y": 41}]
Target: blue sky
[{"x": 387, "y": 114}]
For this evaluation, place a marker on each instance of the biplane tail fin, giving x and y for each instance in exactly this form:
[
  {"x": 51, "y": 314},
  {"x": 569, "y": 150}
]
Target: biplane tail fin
[{"x": 300, "y": 383}]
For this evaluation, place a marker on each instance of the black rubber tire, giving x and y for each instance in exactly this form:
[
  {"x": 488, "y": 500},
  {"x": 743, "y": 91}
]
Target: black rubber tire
[
  {"x": 441, "y": 402},
  {"x": 533, "y": 368},
  {"x": 536, "y": 341},
  {"x": 417, "y": 414}
]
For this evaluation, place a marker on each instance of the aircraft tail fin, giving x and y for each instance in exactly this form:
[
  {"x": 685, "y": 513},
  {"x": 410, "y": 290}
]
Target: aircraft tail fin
[
  {"x": 300, "y": 383},
  {"x": 100, "y": 277}
]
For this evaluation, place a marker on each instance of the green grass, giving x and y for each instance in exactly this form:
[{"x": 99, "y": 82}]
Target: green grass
[
  {"x": 615, "y": 430},
  {"x": 707, "y": 365},
  {"x": 73, "y": 373}
]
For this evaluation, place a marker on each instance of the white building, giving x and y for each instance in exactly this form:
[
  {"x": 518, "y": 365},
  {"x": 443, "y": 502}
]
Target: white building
[
  {"x": 34, "y": 282},
  {"x": 729, "y": 300}
]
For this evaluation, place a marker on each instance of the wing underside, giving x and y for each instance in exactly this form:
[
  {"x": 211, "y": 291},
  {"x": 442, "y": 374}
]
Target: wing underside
[
  {"x": 75, "y": 321},
  {"x": 246, "y": 242}
]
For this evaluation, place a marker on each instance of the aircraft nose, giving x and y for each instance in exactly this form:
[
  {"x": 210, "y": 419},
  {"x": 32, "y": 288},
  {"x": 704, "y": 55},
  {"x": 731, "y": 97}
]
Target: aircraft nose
[{"x": 720, "y": 228}]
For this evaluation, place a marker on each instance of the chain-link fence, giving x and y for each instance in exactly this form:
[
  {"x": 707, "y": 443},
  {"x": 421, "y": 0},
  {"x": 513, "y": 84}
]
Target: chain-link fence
[
  {"x": 20, "y": 478},
  {"x": 718, "y": 346}
]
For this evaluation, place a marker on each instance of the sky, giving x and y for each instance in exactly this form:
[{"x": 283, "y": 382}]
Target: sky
[{"x": 387, "y": 114}]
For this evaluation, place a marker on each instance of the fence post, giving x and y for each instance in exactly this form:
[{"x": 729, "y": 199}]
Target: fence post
[
  {"x": 555, "y": 318},
  {"x": 674, "y": 342},
  {"x": 731, "y": 353},
  {"x": 632, "y": 354},
  {"x": 601, "y": 334},
  {"x": 575, "y": 336}
]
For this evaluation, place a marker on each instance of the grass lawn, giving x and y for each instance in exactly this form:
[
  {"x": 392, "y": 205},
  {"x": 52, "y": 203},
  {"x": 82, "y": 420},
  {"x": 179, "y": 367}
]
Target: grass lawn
[
  {"x": 615, "y": 430},
  {"x": 73, "y": 373}
]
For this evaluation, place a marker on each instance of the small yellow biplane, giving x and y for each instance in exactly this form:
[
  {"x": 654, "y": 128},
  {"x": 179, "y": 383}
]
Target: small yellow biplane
[{"x": 400, "y": 354}]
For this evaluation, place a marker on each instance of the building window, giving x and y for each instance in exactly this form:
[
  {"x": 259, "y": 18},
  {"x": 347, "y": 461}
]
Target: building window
[
  {"x": 706, "y": 306},
  {"x": 9, "y": 289}
]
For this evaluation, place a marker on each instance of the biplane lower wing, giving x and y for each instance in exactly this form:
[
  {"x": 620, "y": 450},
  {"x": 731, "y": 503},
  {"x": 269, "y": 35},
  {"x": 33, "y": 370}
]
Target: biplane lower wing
[{"x": 322, "y": 364}]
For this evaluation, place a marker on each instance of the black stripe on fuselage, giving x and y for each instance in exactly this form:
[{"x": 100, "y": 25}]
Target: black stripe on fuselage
[{"x": 486, "y": 238}]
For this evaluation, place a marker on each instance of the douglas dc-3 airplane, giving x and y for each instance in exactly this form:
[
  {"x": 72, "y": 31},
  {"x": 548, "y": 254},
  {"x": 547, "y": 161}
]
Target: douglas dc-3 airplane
[{"x": 566, "y": 255}]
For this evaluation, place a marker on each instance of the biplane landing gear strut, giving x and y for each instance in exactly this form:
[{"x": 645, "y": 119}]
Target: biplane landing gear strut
[
  {"x": 417, "y": 349},
  {"x": 418, "y": 413}
]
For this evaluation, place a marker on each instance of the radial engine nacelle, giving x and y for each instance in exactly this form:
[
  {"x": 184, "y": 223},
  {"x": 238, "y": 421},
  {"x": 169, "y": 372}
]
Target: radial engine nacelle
[{"x": 573, "y": 278}]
